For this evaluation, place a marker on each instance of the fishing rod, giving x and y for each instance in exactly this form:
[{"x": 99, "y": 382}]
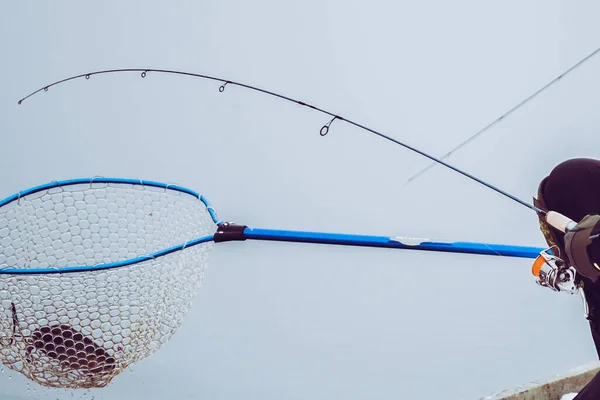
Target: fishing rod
[
  {"x": 555, "y": 219},
  {"x": 323, "y": 132}
]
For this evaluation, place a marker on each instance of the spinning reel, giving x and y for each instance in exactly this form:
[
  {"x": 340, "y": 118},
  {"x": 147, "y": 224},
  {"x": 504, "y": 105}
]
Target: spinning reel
[{"x": 553, "y": 273}]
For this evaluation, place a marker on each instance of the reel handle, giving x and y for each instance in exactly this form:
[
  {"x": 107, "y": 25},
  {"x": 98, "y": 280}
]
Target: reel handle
[{"x": 559, "y": 221}]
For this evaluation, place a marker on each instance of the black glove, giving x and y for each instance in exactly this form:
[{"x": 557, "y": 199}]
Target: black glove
[{"x": 577, "y": 243}]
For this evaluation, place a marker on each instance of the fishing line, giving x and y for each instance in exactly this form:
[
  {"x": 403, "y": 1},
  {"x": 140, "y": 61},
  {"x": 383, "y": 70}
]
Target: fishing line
[
  {"x": 323, "y": 132},
  {"x": 506, "y": 114}
]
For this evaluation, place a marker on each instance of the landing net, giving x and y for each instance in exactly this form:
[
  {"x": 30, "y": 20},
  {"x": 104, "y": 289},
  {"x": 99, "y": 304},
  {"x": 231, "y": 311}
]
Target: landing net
[{"x": 96, "y": 275}]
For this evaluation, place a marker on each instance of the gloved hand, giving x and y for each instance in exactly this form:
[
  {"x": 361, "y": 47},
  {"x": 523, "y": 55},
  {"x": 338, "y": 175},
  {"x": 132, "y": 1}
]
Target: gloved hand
[{"x": 577, "y": 241}]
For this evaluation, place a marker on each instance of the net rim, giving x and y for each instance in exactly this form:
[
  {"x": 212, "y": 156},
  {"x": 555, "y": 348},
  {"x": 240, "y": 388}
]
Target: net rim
[
  {"x": 106, "y": 266},
  {"x": 91, "y": 181},
  {"x": 119, "y": 264}
]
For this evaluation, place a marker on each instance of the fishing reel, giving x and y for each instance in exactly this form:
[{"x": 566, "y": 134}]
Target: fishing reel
[{"x": 552, "y": 272}]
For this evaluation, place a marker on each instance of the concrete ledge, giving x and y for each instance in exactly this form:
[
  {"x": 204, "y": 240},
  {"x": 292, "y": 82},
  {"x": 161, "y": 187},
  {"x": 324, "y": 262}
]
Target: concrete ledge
[{"x": 552, "y": 388}]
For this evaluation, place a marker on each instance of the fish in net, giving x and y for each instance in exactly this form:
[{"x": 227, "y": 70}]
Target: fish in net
[{"x": 97, "y": 275}]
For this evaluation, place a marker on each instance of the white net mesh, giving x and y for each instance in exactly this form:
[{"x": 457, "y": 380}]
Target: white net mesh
[{"x": 80, "y": 329}]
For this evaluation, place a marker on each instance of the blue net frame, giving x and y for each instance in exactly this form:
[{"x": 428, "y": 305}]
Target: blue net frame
[{"x": 228, "y": 232}]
